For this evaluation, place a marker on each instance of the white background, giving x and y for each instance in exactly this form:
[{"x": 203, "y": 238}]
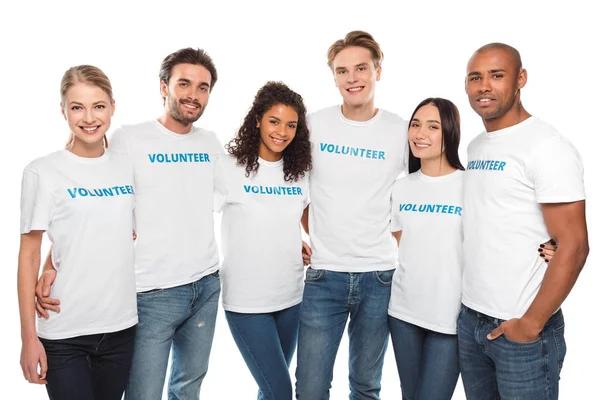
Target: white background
[{"x": 426, "y": 46}]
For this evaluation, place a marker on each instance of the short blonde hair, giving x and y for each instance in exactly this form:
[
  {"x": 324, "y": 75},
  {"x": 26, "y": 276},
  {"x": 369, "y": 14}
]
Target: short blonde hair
[{"x": 358, "y": 39}]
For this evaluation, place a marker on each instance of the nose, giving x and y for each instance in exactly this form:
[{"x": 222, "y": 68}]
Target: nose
[
  {"x": 351, "y": 77},
  {"x": 484, "y": 85},
  {"x": 88, "y": 117}
]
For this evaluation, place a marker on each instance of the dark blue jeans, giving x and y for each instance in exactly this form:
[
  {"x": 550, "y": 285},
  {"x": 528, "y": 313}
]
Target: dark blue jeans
[
  {"x": 90, "y": 367},
  {"x": 427, "y": 361},
  {"x": 329, "y": 299},
  {"x": 505, "y": 368},
  {"x": 267, "y": 342}
]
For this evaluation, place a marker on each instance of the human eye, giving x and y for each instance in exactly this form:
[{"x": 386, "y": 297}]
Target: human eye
[
  {"x": 183, "y": 84},
  {"x": 498, "y": 76},
  {"x": 100, "y": 106},
  {"x": 474, "y": 78},
  {"x": 274, "y": 122},
  {"x": 76, "y": 108},
  {"x": 434, "y": 127},
  {"x": 292, "y": 126},
  {"x": 414, "y": 125}
]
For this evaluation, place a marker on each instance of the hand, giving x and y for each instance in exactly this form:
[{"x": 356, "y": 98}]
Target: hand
[
  {"x": 32, "y": 355},
  {"x": 306, "y": 253},
  {"x": 42, "y": 291},
  {"x": 547, "y": 250},
  {"x": 134, "y": 235},
  {"x": 517, "y": 330}
]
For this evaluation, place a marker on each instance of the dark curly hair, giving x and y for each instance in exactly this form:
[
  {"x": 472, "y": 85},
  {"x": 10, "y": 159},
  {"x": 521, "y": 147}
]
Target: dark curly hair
[{"x": 297, "y": 159}]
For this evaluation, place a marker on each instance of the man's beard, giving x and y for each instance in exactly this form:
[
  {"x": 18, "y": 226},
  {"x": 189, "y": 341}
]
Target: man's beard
[{"x": 179, "y": 116}]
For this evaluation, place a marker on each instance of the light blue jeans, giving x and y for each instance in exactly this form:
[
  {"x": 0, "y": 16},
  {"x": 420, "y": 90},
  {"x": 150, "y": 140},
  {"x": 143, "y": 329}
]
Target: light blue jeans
[
  {"x": 267, "y": 342},
  {"x": 503, "y": 368},
  {"x": 427, "y": 361},
  {"x": 329, "y": 298},
  {"x": 179, "y": 319}
]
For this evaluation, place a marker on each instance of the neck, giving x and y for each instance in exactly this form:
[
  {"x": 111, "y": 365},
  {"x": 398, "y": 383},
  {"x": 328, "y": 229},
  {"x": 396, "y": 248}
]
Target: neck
[
  {"x": 266, "y": 154},
  {"x": 87, "y": 150},
  {"x": 436, "y": 166},
  {"x": 173, "y": 125},
  {"x": 514, "y": 116},
  {"x": 362, "y": 112}
]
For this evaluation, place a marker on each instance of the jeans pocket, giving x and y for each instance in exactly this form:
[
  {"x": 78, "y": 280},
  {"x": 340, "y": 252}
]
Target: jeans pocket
[
  {"x": 313, "y": 275},
  {"x": 152, "y": 292},
  {"x": 385, "y": 277},
  {"x": 509, "y": 340},
  {"x": 561, "y": 345}
]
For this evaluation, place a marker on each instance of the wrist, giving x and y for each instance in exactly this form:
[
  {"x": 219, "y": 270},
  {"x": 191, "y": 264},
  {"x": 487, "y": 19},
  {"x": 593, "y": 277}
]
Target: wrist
[{"x": 532, "y": 323}]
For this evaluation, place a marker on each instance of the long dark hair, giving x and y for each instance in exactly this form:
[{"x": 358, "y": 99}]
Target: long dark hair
[
  {"x": 297, "y": 159},
  {"x": 450, "y": 119}
]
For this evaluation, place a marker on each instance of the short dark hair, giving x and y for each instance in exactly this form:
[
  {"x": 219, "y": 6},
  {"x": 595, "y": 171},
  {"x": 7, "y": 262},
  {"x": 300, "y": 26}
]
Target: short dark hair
[
  {"x": 188, "y": 56},
  {"x": 450, "y": 119}
]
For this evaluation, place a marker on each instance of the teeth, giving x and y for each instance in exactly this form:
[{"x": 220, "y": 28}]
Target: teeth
[
  {"x": 91, "y": 129},
  {"x": 354, "y": 89},
  {"x": 278, "y": 141},
  {"x": 484, "y": 100},
  {"x": 422, "y": 145},
  {"x": 190, "y": 106}
]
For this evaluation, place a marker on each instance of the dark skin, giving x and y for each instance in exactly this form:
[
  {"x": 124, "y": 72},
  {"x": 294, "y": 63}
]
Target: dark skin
[{"x": 493, "y": 85}]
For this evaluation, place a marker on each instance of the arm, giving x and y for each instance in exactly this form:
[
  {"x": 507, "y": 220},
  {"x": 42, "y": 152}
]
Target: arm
[
  {"x": 32, "y": 351},
  {"x": 566, "y": 225},
  {"x": 42, "y": 290},
  {"x": 304, "y": 220},
  {"x": 397, "y": 235}
]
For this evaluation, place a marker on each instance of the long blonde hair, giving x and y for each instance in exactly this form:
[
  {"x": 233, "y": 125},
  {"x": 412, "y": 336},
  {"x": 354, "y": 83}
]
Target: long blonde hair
[{"x": 89, "y": 75}]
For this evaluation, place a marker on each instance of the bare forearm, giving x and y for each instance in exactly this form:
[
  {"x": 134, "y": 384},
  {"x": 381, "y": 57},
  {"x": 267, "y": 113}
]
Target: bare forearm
[
  {"x": 29, "y": 265},
  {"x": 48, "y": 264},
  {"x": 561, "y": 275}
]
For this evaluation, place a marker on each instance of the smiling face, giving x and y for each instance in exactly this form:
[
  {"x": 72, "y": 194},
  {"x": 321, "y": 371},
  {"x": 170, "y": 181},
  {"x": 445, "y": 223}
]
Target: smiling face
[
  {"x": 88, "y": 110},
  {"x": 493, "y": 86},
  {"x": 277, "y": 130},
  {"x": 425, "y": 134},
  {"x": 186, "y": 94},
  {"x": 355, "y": 75}
]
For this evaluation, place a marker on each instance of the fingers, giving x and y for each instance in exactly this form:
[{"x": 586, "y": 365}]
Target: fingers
[
  {"x": 40, "y": 311},
  {"x": 306, "y": 248},
  {"x": 43, "y": 366},
  {"x": 49, "y": 304},
  {"x": 496, "y": 333}
]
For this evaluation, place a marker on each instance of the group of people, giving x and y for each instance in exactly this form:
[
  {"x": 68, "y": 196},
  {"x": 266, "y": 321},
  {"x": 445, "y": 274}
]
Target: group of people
[{"x": 459, "y": 266}]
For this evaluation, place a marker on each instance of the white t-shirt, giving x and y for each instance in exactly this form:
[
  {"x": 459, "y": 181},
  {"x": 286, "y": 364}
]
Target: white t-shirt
[
  {"x": 85, "y": 205},
  {"x": 509, "y": 173},
  {"x": 426, "y": 288},
  {"x": 262, "y": 267},
  {"x": 174, "y": 203},
  {"x": 354, "y": 166}
]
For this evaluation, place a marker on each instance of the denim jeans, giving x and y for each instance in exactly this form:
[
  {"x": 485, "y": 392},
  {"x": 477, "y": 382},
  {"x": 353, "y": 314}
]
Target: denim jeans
[
  {"x": 329, "y": 298},
  {"x": 427, "y": 361},
  {"x": 505, "y": 368},
  {"x": 267, "y": 342},
  {"x": 179, "y": 319},
  {"x": 89, "y": 367}
]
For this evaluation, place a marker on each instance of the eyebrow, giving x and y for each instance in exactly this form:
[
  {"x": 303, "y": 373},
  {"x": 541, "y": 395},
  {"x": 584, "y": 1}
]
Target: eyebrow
[
  {"x": 94, "y": 103},
  {"x": 491, "y": 71},
  {"x": 188, "y": 81},
  {"x": 429, "y": 120},
  {"x": 289, "y": 122}
]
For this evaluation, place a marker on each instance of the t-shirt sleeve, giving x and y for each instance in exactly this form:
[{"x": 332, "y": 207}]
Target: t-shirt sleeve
[
  {"x": 220, "y": 185},
  {"x": 117, "y": 142},
  {"x": 395, "y": 214},
  {"x": 37, "y": 203},
  {"x": 556, "y": 171}
]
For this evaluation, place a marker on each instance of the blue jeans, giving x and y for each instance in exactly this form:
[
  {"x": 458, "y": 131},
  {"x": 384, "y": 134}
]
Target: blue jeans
[
  {"x": 505, "y": 368},
  {"x": 89, "y": 367},
  {"x": 329, "y": 298},
  {"x": 427, "y": 361},
  {"x": 267, "y": 342},
  {"x": 181, "y": 319}
]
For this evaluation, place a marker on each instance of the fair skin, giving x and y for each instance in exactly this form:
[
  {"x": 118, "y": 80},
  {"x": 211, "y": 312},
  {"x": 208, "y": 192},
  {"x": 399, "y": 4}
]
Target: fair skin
[
  {"x": 425, "y": 141},
  {"x": 186, "y": 96},
  {"x": 493, "y": 85},
  {"x": 88, "y": 111},
  {"x": 355, "y": 76}
]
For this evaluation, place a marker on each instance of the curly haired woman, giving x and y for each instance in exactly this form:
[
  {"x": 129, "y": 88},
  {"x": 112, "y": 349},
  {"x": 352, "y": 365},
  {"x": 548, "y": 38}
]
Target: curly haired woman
[{"x": 262, "y": 189}]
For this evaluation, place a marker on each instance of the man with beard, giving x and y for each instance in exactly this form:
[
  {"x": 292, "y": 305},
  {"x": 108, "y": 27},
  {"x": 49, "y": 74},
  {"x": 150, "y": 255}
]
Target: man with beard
[
  {"x": 523, "y": 186},
  {"x": 176, "y": 254}
]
